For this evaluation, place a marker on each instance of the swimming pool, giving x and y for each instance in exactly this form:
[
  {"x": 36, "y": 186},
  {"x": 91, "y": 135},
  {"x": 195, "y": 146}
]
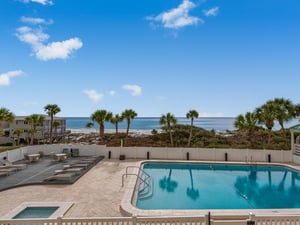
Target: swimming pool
[
  {"x": 218, "y": 186},
  {"x": 36, "y": 212}
]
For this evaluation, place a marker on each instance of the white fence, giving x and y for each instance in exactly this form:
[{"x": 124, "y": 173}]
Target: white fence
[
  {"x": 204, "y": 220},
  {"x": 205, "y": 154},
  {"x": 209, "y": 154}
]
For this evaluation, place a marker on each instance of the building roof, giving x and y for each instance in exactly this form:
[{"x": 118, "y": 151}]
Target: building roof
[{"x": 295, "y": 128}]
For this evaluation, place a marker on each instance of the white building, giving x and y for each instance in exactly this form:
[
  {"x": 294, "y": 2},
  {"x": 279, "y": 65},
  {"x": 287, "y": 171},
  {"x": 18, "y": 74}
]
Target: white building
[{"x": 43, "y": 130}]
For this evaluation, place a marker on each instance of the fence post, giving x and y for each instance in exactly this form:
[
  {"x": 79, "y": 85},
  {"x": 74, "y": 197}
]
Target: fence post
[
  {"x": 134, "y": 219},
  {"x": 59, "y": 220}
]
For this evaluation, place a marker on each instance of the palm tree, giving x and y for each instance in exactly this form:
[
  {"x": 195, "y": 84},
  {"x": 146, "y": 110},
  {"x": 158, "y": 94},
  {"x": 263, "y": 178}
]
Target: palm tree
[
  {"x": 89, "y": 125},
  {"x": 100, "y": 116},
  {"x": 55, "y": 125},
  {"x": 285, "y": 111},
  {"x": 115, "y": 120},
  {"x": 51, "y": 110},
  {"x": 6, "y": 116},
  {"x": 34, "y": 121},
  {"x": 192, "y": 114},
  {"x": 18, "y": 132},
  {"x": 168, "y": 120},
  {"x": 266, "y": 114},
  {"x": 246, "y": 122},
  {"x": 129, "y": 115}
]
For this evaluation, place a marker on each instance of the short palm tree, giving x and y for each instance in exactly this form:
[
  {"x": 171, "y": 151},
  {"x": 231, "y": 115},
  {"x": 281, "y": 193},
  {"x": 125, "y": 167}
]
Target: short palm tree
[
  {"x": 247, "y": 122},
  {"x": 18, "y": 132},
  {"x": 285, "y": 111},
  {"x": 55, "y": 125},
  {"x": 192, "y": 114},
  {"x": 34, "y": 121},
  {"x": 51, "y": 110},
  {"x": 129, "y": 115},
  {"x": 168, "y": 121},
  {"x": 100, "y": 116},
  {"x": 6, "y": 116},
  {"x": 115, "y": 120},
  {"x": 89, "y": 125},
  {"x": 266, "y": 114}
]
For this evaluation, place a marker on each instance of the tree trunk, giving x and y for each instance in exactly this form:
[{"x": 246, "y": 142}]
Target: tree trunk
[{"x": 51, "y": 128}]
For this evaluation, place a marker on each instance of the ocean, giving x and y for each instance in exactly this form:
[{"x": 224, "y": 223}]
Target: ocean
[{"x": 147, "y": 124}]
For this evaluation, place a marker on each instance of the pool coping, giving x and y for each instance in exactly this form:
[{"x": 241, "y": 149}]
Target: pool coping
[
  {"x": 128, "y": 209},
  {"x": 63, "y": 207}
]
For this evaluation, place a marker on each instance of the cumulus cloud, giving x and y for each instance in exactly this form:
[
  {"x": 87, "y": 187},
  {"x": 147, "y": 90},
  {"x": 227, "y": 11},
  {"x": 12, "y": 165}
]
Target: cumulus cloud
[
  {"x": 32, "y": 20},
  {"x": 43, "y": 2},
  {"x": 211, "y": 12},
  {"x": 5, "y": 78},
  {"x": 135, "y": 90},
  {"x": 177, "y": 17},
  {"x": 93, "y": 95},
  {"x": 36, "y": 38}
]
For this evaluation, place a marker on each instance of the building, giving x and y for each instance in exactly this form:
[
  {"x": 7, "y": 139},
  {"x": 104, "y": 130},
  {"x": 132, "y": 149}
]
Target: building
[{"x": 43, "y": 130}]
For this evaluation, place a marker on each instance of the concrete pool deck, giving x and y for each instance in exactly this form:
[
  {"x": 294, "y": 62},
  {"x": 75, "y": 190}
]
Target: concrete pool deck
[{"x": 98, "y": 193}]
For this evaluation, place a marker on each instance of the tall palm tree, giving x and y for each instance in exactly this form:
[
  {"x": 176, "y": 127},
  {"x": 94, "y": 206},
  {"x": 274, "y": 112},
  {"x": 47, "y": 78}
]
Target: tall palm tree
[
  {"x": 192, "y": 114},
  {"x": 266, "y": 114},
  {"x": 168, "y": 120},
  {"x": 18, "y": 132},
  {"x": 129, "y": 115},
  {"x": 100, "y": 116},
  {"x": 246, "y": 122},
  {"x": 51, "y": 110},
  {"x": 34, "y": 121},
  {"x": 115, "y": 120}
]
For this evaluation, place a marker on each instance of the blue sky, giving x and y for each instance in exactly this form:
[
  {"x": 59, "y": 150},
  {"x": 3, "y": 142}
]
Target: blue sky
[{"x": 222, "y": 58}]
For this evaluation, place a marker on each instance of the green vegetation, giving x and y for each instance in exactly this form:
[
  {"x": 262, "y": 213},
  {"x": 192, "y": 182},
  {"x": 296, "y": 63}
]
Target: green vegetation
[{"x": 51, "y": 110}]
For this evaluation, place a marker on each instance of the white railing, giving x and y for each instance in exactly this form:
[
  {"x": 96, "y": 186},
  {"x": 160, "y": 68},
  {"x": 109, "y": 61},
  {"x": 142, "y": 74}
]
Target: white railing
[
  {"x": 297, "y": 149},
  {"x": 111, "y": 221},
  {"x": 204, "y": 220}
]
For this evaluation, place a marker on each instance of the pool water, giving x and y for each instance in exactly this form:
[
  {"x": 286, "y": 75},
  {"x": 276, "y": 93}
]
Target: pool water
[
  {"x": 36, "y": 212},
  {"x": 220, "y": 186}
]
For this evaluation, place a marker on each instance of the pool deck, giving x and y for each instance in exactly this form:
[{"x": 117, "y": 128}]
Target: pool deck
[{"x": 98, "y": 193}]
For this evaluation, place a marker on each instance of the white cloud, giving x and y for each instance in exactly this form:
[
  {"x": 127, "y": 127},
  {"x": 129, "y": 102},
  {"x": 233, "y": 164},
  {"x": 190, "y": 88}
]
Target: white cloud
[
  {"x": 211, "y": 12},
  {"x": 32, "y": 20},
  {"x": 177, "y": 17},
  {"x": 5, "y": 78},
  {"x": 47, "y": 51},
  {"x": 112, "y": 93},
  {"x": 93, "y": 95},
  {"x": 135, "y": 90},
  {"x": 206, "y": 114},
  {"x": 43, "y": 2}
]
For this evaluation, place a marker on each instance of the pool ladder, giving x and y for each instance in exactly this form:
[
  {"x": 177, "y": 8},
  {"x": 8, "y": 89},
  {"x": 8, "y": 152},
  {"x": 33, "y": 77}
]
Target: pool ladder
[{"x": 145, "y": 182}]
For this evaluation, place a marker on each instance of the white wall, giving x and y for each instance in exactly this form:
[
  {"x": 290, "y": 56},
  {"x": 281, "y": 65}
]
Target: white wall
[
  {"x": 248, "y": 155},
  {"x": 205, "y": 154}
]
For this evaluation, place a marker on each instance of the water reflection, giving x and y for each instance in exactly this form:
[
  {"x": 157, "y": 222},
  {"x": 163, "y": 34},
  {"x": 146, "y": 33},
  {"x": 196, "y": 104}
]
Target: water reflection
[
  {"x": 192, "y": 192},
  {"x": 281, "y": 194},
  {"x": 167, "y": 183}
]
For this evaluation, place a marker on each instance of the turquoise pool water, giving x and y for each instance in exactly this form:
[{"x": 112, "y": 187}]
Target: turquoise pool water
[
  {"x": 220, "y": 186},
  {"x": 36, "y": 212}
]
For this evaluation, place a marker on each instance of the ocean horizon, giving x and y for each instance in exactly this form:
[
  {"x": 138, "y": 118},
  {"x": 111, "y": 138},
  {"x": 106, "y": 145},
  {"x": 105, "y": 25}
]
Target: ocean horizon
[{"x": 147, "y": 124}]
